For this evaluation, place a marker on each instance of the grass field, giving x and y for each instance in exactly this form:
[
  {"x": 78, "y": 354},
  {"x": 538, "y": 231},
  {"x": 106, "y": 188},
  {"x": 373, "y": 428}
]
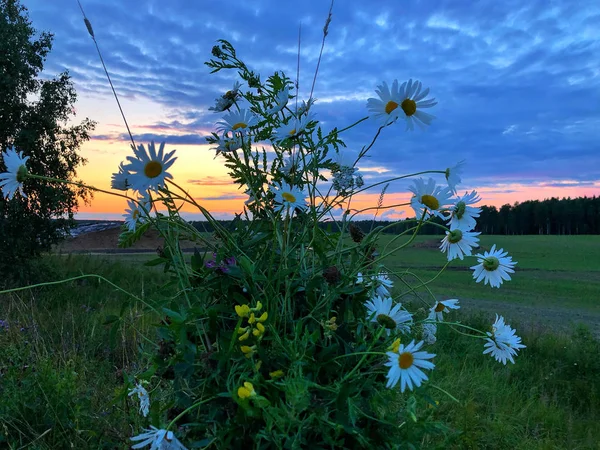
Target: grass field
[{"x": 60, "y": 366}]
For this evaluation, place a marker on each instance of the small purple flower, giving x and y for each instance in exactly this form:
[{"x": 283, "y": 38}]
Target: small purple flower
[
  {"x": 230, "y": 261},
  {"x": 210, "y": 264},
  {"x": 4, "y": 324}
]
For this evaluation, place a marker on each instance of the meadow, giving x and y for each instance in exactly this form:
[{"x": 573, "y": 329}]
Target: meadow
[{"x": 66, "y": 349}]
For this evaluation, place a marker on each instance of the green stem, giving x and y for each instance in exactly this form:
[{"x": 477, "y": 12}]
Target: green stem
[{"x": 185, "y": 411}]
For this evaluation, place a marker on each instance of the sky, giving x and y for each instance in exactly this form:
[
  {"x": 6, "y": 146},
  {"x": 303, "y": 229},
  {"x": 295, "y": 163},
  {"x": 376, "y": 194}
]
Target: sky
[{"x": 518, "y": 86}]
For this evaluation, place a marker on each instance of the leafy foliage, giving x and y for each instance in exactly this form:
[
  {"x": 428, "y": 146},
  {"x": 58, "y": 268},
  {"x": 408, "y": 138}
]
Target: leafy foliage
[{"x": 33, "y": 117}]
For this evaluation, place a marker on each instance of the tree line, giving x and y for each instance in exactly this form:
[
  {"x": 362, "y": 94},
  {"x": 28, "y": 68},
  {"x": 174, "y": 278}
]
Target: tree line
[{"x": 551, "y": 216}]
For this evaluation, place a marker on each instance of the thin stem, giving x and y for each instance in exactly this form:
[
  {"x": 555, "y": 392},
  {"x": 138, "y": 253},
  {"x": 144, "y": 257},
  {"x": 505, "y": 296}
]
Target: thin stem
[
  {"x": 88, "y": 24},
  {"x": 325, "y": 32}
]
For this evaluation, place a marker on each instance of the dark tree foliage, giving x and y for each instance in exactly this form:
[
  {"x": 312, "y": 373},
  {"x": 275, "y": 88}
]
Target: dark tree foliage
[{"x": 33, "y": 117}]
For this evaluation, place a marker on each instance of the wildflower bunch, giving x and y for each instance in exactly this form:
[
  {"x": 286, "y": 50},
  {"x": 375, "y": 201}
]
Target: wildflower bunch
[{"x": 283, "y": 332}]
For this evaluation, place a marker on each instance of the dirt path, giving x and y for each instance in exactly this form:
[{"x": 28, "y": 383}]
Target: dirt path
[{"x": 550, "y": 318}]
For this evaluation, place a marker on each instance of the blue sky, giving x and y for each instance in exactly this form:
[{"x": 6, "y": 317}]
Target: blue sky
[{"x": 518, "y": 83}]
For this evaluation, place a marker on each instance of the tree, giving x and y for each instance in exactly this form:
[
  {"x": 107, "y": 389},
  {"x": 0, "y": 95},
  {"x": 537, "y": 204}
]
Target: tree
[{"x": 33, "y": 117}]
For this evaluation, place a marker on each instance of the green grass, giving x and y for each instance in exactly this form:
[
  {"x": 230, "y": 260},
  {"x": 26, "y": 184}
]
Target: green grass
[
  {"x": 561, "y": 271},
  {"x": 61, "y": 366}
]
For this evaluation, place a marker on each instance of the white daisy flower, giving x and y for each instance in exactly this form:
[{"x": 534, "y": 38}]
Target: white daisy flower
[
  {"x": 453, "y": 175},
  {"x": 391, "y": 317},
  {"x": 429, "y": 198},
  {"x": 292, "y": 128},
  {"x": 228, "y": 144},
  {"x": 281, "y": 100},
  {"x": 238, "y": 121},
  {"x": 292, "y": 163},
  {"x": 227, "y": 100},
  {"x": 442, "y": 306},
  {"x": 502, "y": 343},
  {"x": 305, "y": 107},
  {"x": 430, "y": 329},
  {"x": 405, "y": 366},
  {"x": 383, "y": 284},
  {"x": 288, "y": 198},
  {"x": 136, "y": 212},
  {"x": 11, "y": 181},
  {"x": 120, "y": 180},
  {"x": 458, "y": 243},
  {"x": 412, "y": 101},
  {"x": 405, "y": 102},
  {"x": 144, "y": 398},
  {"x": 386, "y": 109},
  {"x": 157, "y": 439},
  {"x": 462, "y": 214},
  {"x": 494, "y": 267},
  {"x": 148, "y": 169}
]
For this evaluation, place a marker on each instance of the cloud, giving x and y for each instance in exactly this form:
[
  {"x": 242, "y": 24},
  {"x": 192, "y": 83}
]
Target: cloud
[{"x": 518, "y": 83}]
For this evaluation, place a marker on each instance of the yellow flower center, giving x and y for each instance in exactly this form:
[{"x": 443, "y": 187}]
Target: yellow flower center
[
  {"x": 288, "y": 197},
  {"x": 239, "y": 125},
  {"x": 386, "y": 321},
  {"x": 390, "y": 106},
  {"x": 153, "y": 169},
  {"x": 439, "y": 307},
  {"x": 135, "y": 214},
  {"x": 430, "y": 201},
  {"x": 405, "y": 360},
  {"x": 292, "y": 132},
  {"x": 409, "y": 107}
]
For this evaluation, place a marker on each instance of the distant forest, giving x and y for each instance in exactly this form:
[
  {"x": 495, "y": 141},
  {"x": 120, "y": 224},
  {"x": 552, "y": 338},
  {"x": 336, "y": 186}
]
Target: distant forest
[{"x": 552, "y": 216}]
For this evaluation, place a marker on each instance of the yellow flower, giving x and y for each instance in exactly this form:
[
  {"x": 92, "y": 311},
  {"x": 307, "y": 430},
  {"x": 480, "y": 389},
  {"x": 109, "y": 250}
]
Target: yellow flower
[
  {"x": 242, "y": 310},
  {"x": 263, "y": 317},
  {"x": 244, "y": 336},
  {"x": 395, "y": 346},
  {"x": 277, "y": 374},
  {"x": 252, "y": 319},
  {"x": 258, "y": 306},
  {"x": 248, "y": 351},
  {"x": 246, "y": 391}
]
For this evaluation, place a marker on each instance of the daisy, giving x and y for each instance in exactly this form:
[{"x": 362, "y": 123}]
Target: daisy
[
  {"x": 227, "y": 144},
  {"x": 143, "y": 397},
  {"x": 305, "y": 107},
  {"x": 226, "y": 101},
  {"x": 120, "y": 180},
  {"x": 238, "y": 121},
  {"x": 381, "y": 310},
  {"x": 157, "y": 439},
  {"x": 462, "y": 214},
  {"x": 453, "y": 175},
  {"x": 148, "y": 169},
  {"x": 406, "y": 364},
  {"x": 494, "y": 267},
  {"x": 412, "y": 101},
  {"x": 383, "y": 284},
  {"x": 430, "y": 329},
  {"x": 442, "y": 306},
  {"x": 386, "y": 108},
  {"x": 136, "y": 212},
  {"x": 11, "y": 181},
  {"x": 502, "y": 343},
  {"x": 429, "y": 198},
  {"x": 458, "y": 243},
  {"x": 293, "y": 128},
  {"x": 405, "y": 102},
  {"x": 288, "y": 198},
  {"x": 292, "y": 163},
  {"x": 281, "y": 100}
]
